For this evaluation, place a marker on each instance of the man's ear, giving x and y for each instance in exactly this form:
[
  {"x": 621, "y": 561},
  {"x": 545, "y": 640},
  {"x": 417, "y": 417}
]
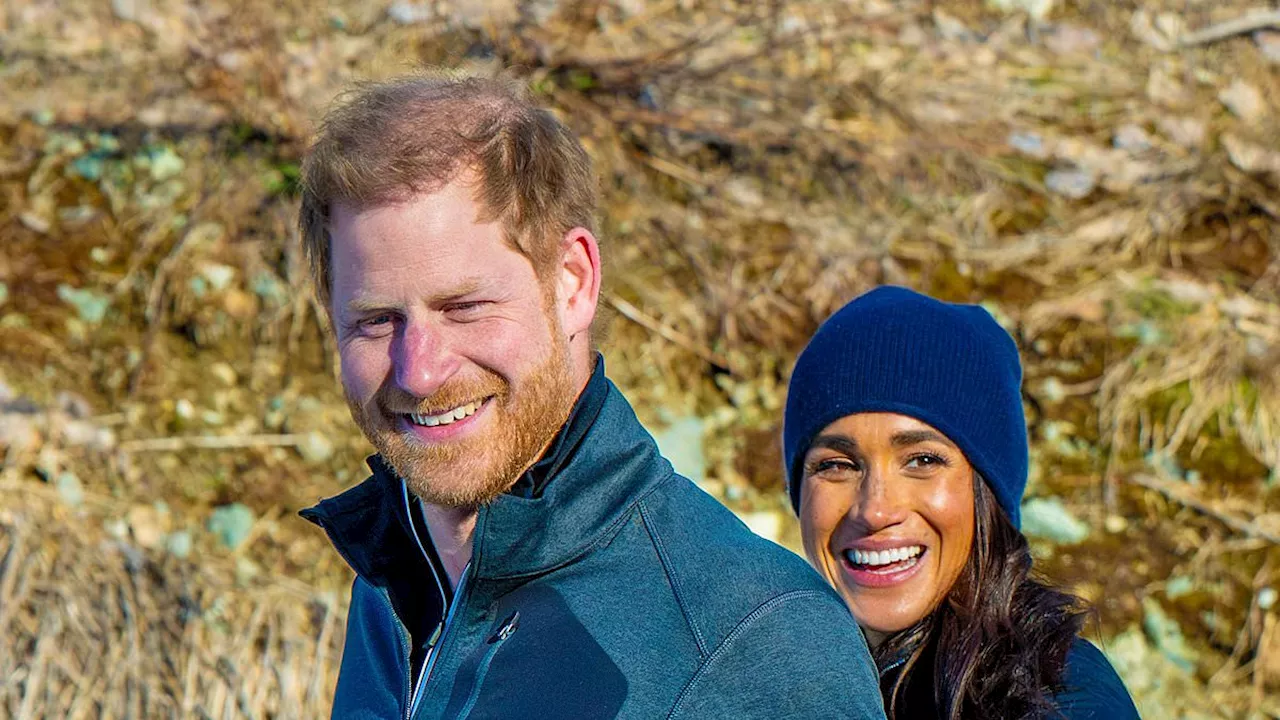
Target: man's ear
[{"x": 578, "y": 280}]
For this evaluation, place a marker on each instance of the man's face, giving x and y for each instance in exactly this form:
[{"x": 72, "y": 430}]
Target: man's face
[{"x": 454, "y": 360}]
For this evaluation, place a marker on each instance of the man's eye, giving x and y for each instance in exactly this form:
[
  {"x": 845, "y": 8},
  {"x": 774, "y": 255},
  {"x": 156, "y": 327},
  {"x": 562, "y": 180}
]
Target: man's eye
[
  {"x": 466, "y": 309},
  {"x": 374, "y": 325}
]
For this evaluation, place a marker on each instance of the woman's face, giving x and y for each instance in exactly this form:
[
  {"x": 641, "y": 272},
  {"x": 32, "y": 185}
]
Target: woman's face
[{"x": 886, "y": 511}]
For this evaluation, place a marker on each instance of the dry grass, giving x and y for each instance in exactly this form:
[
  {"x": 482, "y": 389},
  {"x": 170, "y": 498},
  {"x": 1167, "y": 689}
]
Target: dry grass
[{"x": 761, "y": 163}]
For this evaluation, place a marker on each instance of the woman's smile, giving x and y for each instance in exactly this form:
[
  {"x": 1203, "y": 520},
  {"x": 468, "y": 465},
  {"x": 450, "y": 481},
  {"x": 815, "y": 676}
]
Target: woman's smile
[{"x": 887, "y": 516}]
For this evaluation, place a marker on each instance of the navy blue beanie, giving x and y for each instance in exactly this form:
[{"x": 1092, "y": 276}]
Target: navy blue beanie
[{"x": 948, "y": 365}]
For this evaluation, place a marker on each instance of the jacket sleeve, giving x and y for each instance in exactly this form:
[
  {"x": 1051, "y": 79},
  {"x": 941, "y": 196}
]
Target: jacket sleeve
[
  {"x": 1092, "y": 688},
  {"x": 373, "y": 678},
  {"x": 799, "y": 656}
]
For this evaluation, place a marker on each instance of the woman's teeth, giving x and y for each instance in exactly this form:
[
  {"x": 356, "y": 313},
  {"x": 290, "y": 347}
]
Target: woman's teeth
[
  {"x": 447, "y": 417},
  {"x": 873, "y": 558}
]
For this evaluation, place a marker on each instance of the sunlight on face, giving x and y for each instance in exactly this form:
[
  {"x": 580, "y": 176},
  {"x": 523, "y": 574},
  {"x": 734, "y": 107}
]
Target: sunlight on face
[
  {"x": 887, "y": 516},
  {"x": 453, "y": 362}
]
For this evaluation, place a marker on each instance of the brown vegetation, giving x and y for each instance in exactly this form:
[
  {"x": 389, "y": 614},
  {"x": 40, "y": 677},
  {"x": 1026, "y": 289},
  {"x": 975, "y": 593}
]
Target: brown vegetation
[{"x": 1104, "y": 178}]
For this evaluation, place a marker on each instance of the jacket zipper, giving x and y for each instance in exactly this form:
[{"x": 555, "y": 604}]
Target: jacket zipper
[
  {"x": 495, "y": 643},
  {"x": 438, "y": 633},
  {"x": 434, "y": 652}
]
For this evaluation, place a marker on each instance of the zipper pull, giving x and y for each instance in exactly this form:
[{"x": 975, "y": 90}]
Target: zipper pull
[
  {"x": 435, "y": 636},
  {"x": 508, "y": 628}
]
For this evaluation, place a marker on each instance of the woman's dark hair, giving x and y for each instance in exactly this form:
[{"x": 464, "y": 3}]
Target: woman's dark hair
[{"x": 999, "y": 640}]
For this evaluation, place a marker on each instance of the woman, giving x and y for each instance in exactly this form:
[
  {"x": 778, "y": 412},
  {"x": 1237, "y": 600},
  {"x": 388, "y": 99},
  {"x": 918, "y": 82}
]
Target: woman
[{"x": 906, "y": 454}]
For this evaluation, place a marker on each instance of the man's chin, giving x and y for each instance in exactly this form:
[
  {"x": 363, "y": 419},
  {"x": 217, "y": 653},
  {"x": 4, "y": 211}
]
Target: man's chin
[{"x": 452, "y": 484}]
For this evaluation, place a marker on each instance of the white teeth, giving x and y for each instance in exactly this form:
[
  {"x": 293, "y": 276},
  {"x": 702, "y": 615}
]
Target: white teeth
[
  {"x": 447, "y": 417},
  {"x": 883, "y": 557}
]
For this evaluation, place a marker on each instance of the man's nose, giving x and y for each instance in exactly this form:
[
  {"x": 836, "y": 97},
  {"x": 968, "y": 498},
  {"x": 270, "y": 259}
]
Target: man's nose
[{"x": 423, "y": 360}]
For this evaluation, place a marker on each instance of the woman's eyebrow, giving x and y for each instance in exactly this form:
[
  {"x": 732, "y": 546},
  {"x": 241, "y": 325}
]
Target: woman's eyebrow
[
  {"x": 839, "y": 443},
  {"x": 911, "y": 437}
]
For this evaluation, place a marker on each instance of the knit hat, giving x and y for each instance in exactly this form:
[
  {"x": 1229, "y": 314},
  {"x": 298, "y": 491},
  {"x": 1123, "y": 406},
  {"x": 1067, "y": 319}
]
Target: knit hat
[{"x": 895, "y": 350}]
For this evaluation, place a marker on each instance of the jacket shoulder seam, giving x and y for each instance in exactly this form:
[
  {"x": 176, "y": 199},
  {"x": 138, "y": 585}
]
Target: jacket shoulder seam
[
  {"x": 738, "y": 630},
  {"x": 674, "y": 581}
]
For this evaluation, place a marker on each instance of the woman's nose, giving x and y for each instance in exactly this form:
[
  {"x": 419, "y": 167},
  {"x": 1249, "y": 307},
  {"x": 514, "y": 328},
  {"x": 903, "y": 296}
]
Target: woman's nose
[{"x": 882, "y": 503}]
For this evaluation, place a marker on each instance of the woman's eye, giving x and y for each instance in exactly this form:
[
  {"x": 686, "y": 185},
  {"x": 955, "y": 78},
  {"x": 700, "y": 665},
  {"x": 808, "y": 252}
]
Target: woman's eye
[
  {"x": 832, "y": 467},
  {"x": 925, "y": 461}
]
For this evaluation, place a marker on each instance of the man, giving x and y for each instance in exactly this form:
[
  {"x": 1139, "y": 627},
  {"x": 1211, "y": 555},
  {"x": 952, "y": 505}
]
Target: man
[{"x": 521, "y": 549}]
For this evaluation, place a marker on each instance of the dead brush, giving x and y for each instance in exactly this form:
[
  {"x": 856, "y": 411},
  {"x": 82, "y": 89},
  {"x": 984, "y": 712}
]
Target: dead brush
[{"x": 95, "y": 627}]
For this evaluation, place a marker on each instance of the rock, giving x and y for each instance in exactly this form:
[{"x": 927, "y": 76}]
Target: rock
[
  {"x": 91, "y": 305},
  {"x": 1165, "y": 633},
  {"x": 116, "y": 528},
  {"x": 1131, "y": 138},
  {"x": 1268, "y": 42},
  {"x": 184, "y": 409},
  {"x": 1048, "y": 518},
  {"x": 1036, "y": 9},
  {"x": 224, "y": 373},
  {"x": 77, "y": 406},
  {"x": 69, "y": 488},
  {"x": 178, "y": 544},
  {"x": 1072, "y": 40},
  {"x": 231, "y": 524},
  {"x": 18, "y": 433},
  {"x": 1075, "y": 184},
  {"x": 1116, "y": 524},
  {"x": 205, "y": 234},
  {"x": 1179, "y": 586},
  {"x": 1249, "y": 157},
  {"x": 478, "y": 14},
  {"x": 745, "y": 191},
  {"x": 149, "y": 526},
  {"x": 315, "y": 447},
  {"x": 681, "y": 444},
  {"x": 951, "y": 28},
  {"x": 218, "y": 275},
  {"x": 80, "y": 433},
  {"x": 1188, "y": 132},
  {"x": 163, "y": 163},
  {"x": 128, "y": 10},
  {"x": 1052, "y": 390},
  {"x": 1163, "y": 89},
  {"x": 1244, "y": 101},
  {"x": 268, "y": 287},
  {"x": 35, "y": 222},
  {"x": 406, "y": 13},
  {"x": 1031, "y": 144}
]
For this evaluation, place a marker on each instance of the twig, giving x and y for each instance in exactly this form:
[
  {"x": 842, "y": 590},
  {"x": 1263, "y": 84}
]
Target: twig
[
  {"x": 1230, "y": 28},
  {"x": 210, "y": 442},
  {"x": 638, "y": 316},
  {"x": 1183, "y": 496}
]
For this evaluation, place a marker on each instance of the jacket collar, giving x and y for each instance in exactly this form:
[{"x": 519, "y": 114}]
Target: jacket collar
[{"x": 599, "y": 464}]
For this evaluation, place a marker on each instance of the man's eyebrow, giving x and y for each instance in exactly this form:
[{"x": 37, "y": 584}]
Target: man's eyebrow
[
  {"x": 358, "y": 305},
  {"x": 839, "y": 443},
  {"x": 913, "y": 437}
]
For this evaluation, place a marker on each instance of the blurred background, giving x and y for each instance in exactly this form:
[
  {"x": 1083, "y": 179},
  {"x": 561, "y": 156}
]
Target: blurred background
[{"x": 1102, "y": 176}]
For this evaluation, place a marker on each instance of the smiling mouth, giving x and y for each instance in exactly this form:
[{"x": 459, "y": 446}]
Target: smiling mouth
[
  {"x": 884, "y": 562},
  {"x": 448, "y": 417}
]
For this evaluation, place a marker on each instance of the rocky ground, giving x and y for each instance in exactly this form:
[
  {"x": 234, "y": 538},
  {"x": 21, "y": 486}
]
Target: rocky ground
[{"x": 1101, "y": 175}]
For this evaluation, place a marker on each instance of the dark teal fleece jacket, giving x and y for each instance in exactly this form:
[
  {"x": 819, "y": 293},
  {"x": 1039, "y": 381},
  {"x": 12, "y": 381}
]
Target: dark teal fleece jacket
[{"x": 610, "y": 587}]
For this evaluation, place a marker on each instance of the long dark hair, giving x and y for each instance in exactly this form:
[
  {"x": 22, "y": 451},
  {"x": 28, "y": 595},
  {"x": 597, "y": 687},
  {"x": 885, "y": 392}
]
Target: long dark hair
[{"x": 999, "y": 640}]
